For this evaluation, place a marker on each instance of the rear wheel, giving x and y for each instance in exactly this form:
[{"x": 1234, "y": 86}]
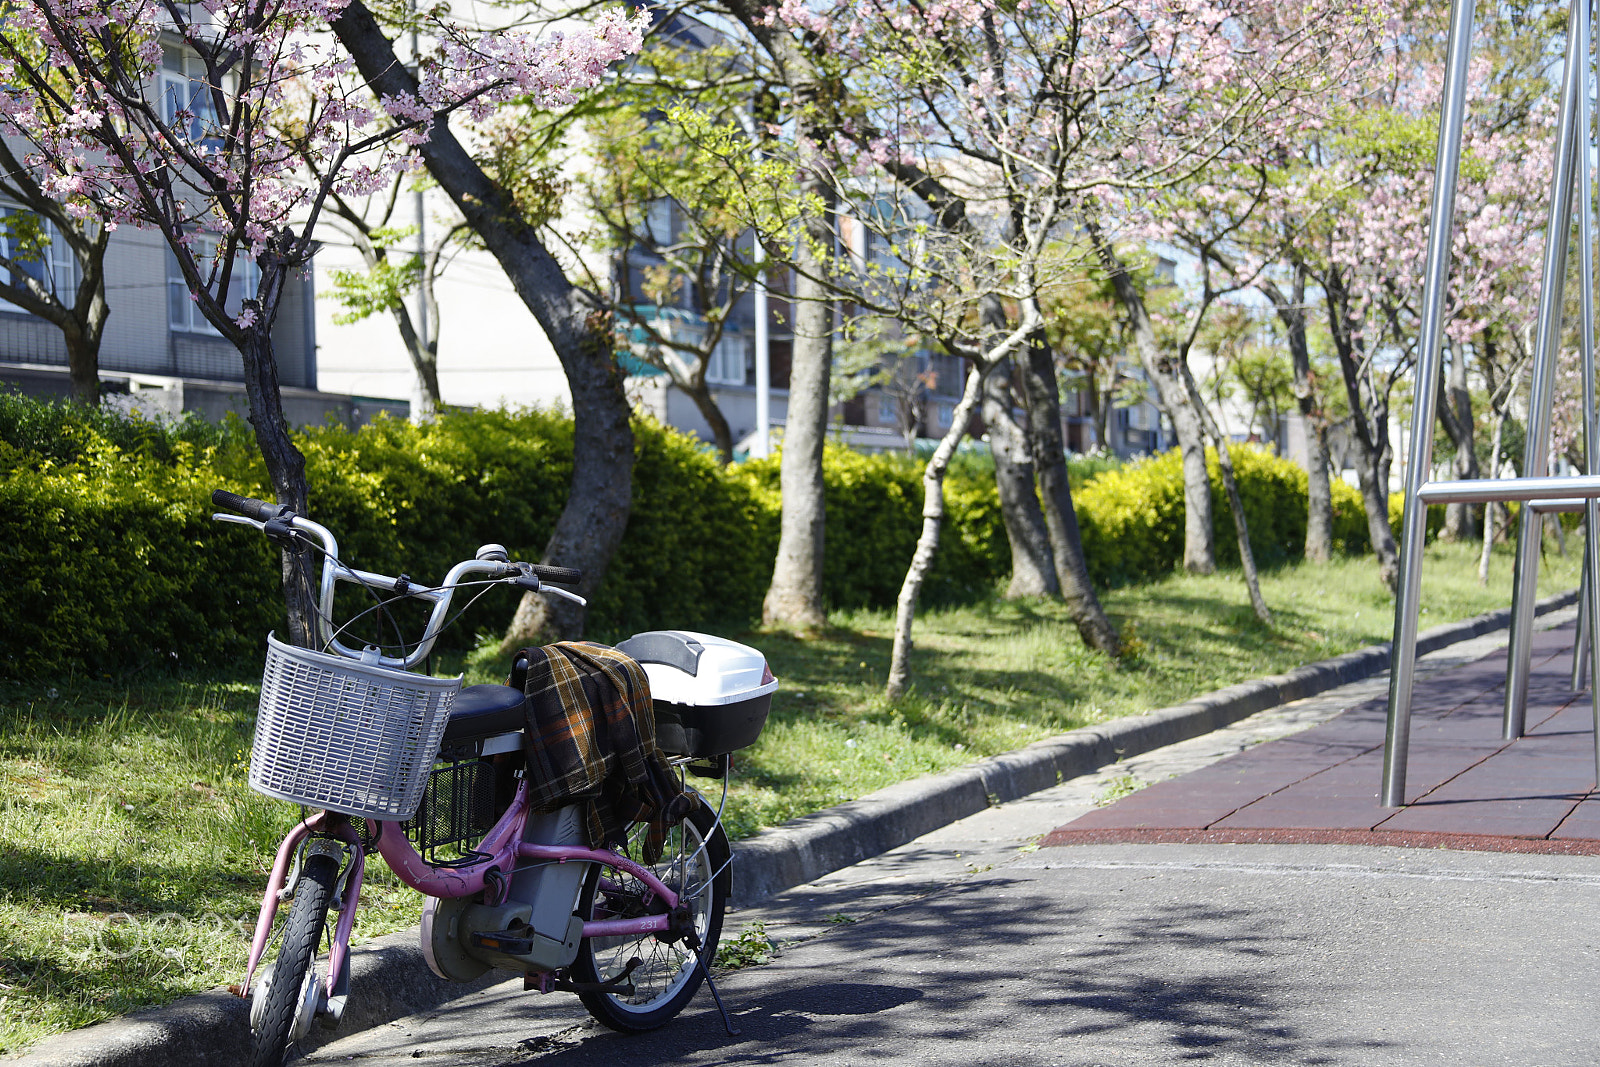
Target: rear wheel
[
  {"x": 694, "y": 865},
  {"x": 286, "y": 993}
]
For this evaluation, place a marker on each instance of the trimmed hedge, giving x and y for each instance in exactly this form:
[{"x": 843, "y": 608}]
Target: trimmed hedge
[
  {"x": 112, "y": 565},
  {"x": 1132, "y": 517},
  {"x": 874, "y": 517}
]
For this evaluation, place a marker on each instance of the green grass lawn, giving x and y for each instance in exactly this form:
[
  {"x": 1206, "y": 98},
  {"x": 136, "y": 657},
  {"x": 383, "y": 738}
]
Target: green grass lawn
[{"x": 132, "y": 853}]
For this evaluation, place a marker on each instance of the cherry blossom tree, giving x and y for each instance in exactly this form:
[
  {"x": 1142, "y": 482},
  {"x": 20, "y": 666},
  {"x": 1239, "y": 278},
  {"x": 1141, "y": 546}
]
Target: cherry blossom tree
[
  {"x": 578, "y": 321},
  {"x": 35, "y": 277},
  {"x": 990, "y": 127},
  {"x": 1364, "y": 248},
  {"x": 158, "y": 115}
]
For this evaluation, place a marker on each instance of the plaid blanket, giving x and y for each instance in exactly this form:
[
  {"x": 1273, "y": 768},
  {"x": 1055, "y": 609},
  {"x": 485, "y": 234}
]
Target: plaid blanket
[{"x": 593, "y": 733}]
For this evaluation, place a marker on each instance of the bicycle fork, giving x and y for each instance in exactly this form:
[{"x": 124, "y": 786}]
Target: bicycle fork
[{"x": 335, "y": 840}]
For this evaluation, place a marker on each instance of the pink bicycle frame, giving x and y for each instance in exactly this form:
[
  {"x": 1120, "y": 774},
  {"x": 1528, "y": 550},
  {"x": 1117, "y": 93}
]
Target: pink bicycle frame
[{"x": 502, "y": 846}]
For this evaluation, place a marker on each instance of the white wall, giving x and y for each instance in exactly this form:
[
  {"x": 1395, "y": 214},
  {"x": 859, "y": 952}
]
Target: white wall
[{"x": 491, "y": 350}]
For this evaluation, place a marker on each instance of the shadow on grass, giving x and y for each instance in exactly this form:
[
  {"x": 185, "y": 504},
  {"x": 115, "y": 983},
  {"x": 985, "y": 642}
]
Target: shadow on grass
[{"x": 49, "y": 880}]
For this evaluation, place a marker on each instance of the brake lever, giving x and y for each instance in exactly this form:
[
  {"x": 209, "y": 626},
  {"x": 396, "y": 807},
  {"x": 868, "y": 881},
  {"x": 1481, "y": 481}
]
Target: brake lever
[
  {"x": 223, "y": 516},
  {"x": 574, "y": 597},
  {"x": 530, "y": 581}
]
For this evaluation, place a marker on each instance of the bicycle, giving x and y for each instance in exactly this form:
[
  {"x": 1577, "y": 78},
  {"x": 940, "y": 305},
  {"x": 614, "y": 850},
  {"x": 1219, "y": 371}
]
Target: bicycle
[{"x": 424, "y": 772}]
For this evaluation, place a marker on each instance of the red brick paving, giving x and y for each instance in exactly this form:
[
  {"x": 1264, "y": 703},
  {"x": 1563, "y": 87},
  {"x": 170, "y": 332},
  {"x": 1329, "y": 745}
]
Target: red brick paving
[{"x": 1465, "y": 786}]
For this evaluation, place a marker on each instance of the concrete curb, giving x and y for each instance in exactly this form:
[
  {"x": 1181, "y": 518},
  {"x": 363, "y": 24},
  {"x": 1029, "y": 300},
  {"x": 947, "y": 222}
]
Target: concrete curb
[
  {"x": 213, "y": 1027},
  {"x": 392, "y": 981}
]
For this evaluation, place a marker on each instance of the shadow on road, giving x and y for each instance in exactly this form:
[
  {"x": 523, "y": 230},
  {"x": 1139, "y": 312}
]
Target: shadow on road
[{"x": 990, "y": 973}]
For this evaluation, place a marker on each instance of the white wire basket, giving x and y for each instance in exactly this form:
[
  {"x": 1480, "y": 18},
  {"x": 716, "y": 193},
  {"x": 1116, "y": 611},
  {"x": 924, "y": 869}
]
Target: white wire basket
[{"x": 342, "y": 735}]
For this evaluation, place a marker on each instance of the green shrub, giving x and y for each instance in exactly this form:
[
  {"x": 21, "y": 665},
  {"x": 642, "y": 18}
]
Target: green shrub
[
  {"x": 1350, "y": 533},
  {"x": 1132, "y": 517},
  {"x": 62, "y": 432},
  {"x": 1132, "y": 520},
  {"x": 420, "y": 498},
  {"x": 112, "y": 563},
  {"x": 112, "y": 567},
  {"x": 1085, "y": 468},
  {"x": 105, "y": 523},
  {"x": 874, "y": 518}
]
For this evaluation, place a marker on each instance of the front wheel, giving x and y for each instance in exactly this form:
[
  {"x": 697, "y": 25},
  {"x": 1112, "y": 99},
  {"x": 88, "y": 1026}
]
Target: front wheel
[
  {"x": 694, "y": 864},
  {"x": 286, "y": 990}
]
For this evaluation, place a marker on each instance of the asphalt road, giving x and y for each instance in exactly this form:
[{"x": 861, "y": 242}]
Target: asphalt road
[
  {"x": 1147, "y": 954},
  {"x": 973, "y": 947}
]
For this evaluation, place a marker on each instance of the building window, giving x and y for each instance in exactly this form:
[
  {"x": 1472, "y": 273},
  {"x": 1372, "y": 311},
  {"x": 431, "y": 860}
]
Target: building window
[
  {"x": 658, "y": 222},
  {"x": 183, "y": 311},
  {"x": 888, "y": 410},
  {"x": 38, "y": 251},
  {"x": 946, "y": 412},
  {"x": 726, "y": 366},
  {"x": 184, "y": 89}
]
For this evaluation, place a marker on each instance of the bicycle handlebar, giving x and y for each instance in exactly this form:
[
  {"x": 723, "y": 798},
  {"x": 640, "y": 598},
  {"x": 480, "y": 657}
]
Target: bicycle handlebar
[
  {"x": 249, "y": 506},
  {"x": 556, "y": 575},
  {"x": 529, "y": 575}
]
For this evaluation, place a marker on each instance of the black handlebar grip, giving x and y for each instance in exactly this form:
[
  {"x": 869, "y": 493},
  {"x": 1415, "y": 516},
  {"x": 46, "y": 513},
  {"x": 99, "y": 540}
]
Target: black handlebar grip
[
  {"x": 250, "y": 507},
  {"x": 556, "y": 575}
]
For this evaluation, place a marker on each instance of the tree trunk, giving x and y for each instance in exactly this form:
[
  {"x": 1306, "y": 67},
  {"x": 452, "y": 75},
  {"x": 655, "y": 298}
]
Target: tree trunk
[
  {"x": 1373, "y": 473},
  {"x": 424, "y": 353},
  {"x": 1247, "y": 556},
  {"x": 83, "y": 366},
  {"x": 1455, "y": 415},
  {"x": 1490, "y": 510},
  {"x": 286, "y": 466},
  {"x": 1369, "y": 418},
  {"x": 721, "y": 434},
  {"x": 1100, "y": 415},
  {"x": 1319, "y": 488},
  {"x": 1230, "y": 485},
  {"x": 595, "y": 517},
  {"x": 1199, "y": 545},
  {"x": 1033, "y": 567},
  {"x": 928, "y": 542},
  {"x": 1041, "y": 393},
  {"x": 795, "y": 596}
]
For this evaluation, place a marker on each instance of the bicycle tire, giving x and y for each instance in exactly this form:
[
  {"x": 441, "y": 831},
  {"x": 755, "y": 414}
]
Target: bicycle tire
[
  {"x": 302, "y": 934},
  {"x": 668, "y": 976}
]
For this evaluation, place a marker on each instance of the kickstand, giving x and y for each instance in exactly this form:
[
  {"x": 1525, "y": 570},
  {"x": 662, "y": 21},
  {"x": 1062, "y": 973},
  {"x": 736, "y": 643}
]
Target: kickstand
[{"x": 711, "y": 983}]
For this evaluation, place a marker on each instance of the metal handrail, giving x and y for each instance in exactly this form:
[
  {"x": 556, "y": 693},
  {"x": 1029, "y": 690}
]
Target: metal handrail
[{"x": 1542, "y": 493}]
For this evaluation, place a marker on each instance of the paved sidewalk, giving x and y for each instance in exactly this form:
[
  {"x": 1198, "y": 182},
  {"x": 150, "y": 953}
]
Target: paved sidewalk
[{"x": 1466, "y": 786}]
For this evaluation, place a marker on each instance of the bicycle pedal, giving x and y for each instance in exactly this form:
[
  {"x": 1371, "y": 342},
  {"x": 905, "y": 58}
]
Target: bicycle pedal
[{"x": 508, "y": 942}]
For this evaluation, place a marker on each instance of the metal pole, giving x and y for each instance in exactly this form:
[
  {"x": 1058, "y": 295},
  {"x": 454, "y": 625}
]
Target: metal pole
[
  {"x": 763, "y": 441},
  {"x": 1589, "y": 604},
  {"x": 1545, "y": 494},
  {"x": 1580, "y": 639},
  {"x": 762, "y": 445},
  {"x": 1436, "y": 277},
  {"x": 1535, "y": 459}
]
